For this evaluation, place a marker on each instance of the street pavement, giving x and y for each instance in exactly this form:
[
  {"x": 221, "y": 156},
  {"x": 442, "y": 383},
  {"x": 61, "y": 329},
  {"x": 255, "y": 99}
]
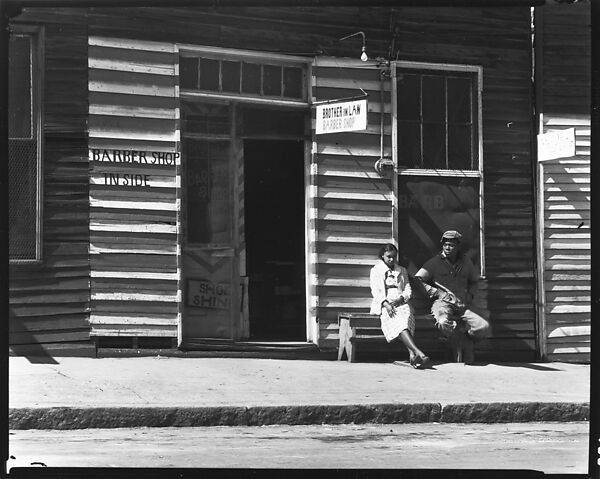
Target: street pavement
[
  {"x": 75, "y": 393},
  {"x": 549, "y": 447}
]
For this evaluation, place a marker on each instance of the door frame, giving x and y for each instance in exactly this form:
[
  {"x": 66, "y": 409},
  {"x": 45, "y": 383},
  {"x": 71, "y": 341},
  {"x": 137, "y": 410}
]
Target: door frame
[{"x": 240, "y": 323}]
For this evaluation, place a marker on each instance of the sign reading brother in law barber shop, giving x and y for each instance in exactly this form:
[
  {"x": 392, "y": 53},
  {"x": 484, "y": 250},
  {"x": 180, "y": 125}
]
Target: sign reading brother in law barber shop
[{"x": 342, "y": 116}]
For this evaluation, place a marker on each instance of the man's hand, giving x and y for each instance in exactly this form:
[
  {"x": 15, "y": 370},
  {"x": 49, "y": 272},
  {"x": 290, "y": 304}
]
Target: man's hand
[
  {"x": 389, "y": 308},
  {"x": 447, "y": 297},
  {"x": 398, "y": 302}
]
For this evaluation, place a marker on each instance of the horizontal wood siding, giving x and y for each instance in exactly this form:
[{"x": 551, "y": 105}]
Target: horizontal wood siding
[
  {"x": 353, "y": 203},
  {"x": 497, "y": 39},
  {"x": 133, "y": 229},
  {"x": 351, "y": 214},
  {"x": 49, "y": 301},
  {"x": 565, "y": 182}
]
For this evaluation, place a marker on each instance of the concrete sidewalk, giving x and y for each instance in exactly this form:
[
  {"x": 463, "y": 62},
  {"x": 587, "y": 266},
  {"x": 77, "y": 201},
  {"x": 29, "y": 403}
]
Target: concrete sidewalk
[{"x": 68, "y": 393}]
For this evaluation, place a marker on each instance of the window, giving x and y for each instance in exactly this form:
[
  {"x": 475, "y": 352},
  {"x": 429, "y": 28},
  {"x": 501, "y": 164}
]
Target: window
[
  {"x": 207, "y": 177},
  {"x": 437, "y": 119},
  {"x": 437, "y": 149},
  {"x": 25, "y": 146},
  {"x": 231, "y": 74}
]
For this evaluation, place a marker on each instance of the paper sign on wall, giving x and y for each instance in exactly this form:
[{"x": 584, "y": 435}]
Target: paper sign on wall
[
  {"x": 342, "y": 116},
  {"x": 556, "y": 144}
]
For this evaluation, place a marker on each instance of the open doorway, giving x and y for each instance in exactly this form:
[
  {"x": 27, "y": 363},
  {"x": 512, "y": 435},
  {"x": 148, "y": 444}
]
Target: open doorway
[{"x": 274, "y": 234}]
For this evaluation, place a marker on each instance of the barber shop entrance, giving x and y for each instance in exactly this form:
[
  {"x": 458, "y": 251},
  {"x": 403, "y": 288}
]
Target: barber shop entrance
[{"x": 243, "y": 216}]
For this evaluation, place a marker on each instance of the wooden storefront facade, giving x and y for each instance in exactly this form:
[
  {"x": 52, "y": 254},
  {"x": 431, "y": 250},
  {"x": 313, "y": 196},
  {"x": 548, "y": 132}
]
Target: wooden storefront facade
[
  {"x": 564, "y": 103},
  {"x": 187, "y": 195}
]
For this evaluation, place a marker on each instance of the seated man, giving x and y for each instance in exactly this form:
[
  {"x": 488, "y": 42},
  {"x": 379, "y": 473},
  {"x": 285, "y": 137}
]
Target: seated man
[{"x": 450, "y": 279}]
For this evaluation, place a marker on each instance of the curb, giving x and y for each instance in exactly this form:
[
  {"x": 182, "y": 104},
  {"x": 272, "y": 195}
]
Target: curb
[{"x": 132, "y": 417}]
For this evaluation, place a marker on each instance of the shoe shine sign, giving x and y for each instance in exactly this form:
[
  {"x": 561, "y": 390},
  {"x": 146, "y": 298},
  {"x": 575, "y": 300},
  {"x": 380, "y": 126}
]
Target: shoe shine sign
[{"x": 341, "y": 116}]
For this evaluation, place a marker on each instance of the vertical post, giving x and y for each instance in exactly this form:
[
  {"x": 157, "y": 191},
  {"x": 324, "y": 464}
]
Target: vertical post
[
  {"x": 4, "y": 49},
  {"x": 178, "y": 213},
  {"x": 541, "y": 294},
  {"x": 538, "y": 178}
]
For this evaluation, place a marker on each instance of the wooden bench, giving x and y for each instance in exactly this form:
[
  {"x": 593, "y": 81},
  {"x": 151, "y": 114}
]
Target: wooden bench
[
  {"x": 359, "y": 330},
  {"x": 363, "y": 331}
]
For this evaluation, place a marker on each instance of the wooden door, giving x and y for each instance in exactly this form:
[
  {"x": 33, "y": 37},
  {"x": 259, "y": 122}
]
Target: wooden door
[{"x": 208, "y": 247}]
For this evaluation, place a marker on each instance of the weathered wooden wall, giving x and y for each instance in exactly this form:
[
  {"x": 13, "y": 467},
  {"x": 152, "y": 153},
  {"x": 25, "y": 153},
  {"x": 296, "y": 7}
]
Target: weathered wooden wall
[
  {"x": 353, "y": 203},
  {"x": 133, "y": 106},
  {"x": 49, "y": 302},
  {"x": 564, "y": 52},
  {"x": 498, "y": 39}
]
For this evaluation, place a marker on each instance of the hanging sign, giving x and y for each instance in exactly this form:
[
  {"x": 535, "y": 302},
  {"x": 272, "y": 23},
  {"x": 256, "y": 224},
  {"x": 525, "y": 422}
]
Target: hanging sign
[
  {"x": 342, "y": 116},
  {"x": 556, "y": 144}
]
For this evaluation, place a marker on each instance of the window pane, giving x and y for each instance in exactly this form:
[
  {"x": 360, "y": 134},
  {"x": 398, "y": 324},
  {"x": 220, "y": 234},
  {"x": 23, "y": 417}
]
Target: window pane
[
  {"x": 459, "y": 148},
  {"x": 409, "y": 145},
  {"x": 292, "y": 82},
  {"x": 272, "y": 80},
  {"x": 230, "y": 72},
  {"x": 207, "y": 191},
  {"x": 409, "y": 97},
  {"x": 459, "y": 100},
  {"x": 434, "y": 146},
  {"x": 434, "y": 99},
  {"x": 209, "y": 74},
  {"x": 19, "y": 95},
  {"x": 250, "y": 78},
  {"x": 188, "y": 73}
]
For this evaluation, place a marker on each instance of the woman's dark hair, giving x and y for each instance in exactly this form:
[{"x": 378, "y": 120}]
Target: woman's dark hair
[{"x": 385, "y": 248}]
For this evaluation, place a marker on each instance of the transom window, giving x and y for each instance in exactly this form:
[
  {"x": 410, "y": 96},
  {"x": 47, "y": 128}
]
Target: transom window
[
  {"x": 437, "y": 119},
  {"x": 242, "y": 77}
]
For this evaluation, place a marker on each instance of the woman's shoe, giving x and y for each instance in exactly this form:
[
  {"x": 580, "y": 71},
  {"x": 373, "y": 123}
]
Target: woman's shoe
[{"x": 420, "y": 362}]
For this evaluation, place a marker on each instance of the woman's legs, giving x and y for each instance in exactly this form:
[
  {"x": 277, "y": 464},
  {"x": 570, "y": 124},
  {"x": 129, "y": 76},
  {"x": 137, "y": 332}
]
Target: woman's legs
[{"x": 413, "y": 350}]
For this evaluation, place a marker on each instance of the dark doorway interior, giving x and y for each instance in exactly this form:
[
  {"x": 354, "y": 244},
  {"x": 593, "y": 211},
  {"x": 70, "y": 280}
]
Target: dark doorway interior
[{"x": 274, "y": 230}]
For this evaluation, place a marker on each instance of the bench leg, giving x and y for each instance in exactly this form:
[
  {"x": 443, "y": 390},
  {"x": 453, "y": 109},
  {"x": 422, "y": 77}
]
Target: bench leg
[
  {"x": 455, "y": 346},
  {"x": 351, "y": 351},
  {"x": 342, "y": 345},
  {"x": 344, "y": 335},
  {"x": 461, "y": 349}
]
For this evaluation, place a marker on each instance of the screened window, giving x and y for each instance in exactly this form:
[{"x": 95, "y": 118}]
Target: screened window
[
  {"x": 240, "y": 77},
  {"x": 24, "y": 142},
  {"x": 437, "y": 119}
]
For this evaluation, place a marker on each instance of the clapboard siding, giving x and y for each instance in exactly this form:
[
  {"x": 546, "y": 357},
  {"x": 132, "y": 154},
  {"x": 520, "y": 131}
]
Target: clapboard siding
[
  {"x": 133, "y": 229},
  {"x": 507, "y": 295},
  {"x": 565, "y": 182},
  {"x": 353, "y": 201},
  {"x": 49, "y": 302},
  {"x": 349, "y": 205}
]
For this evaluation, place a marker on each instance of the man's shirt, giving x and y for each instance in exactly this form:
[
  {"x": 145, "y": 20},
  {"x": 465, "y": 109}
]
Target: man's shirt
[{"x": 461, "y": 277}]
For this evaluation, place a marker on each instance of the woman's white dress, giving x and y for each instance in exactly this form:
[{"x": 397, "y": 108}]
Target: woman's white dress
[{"x": 391, "y": 326}]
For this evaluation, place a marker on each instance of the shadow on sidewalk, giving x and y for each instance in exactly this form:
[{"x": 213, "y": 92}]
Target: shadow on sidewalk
[
  {"x": 34, "y": 353},
  {"x": 537, "y": 367}
]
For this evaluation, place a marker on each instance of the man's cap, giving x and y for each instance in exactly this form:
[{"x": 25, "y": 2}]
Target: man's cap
[{"x": 451, "y": 234}]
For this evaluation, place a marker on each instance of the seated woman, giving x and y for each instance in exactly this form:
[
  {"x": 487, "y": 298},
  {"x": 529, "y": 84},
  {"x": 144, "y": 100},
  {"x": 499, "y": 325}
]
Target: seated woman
[{"x": 392, "y": 292}]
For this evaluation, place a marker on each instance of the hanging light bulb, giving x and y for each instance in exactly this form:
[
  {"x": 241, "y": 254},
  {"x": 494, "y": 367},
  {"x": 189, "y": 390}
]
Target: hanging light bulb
[{"x": 363, "y": 55}]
